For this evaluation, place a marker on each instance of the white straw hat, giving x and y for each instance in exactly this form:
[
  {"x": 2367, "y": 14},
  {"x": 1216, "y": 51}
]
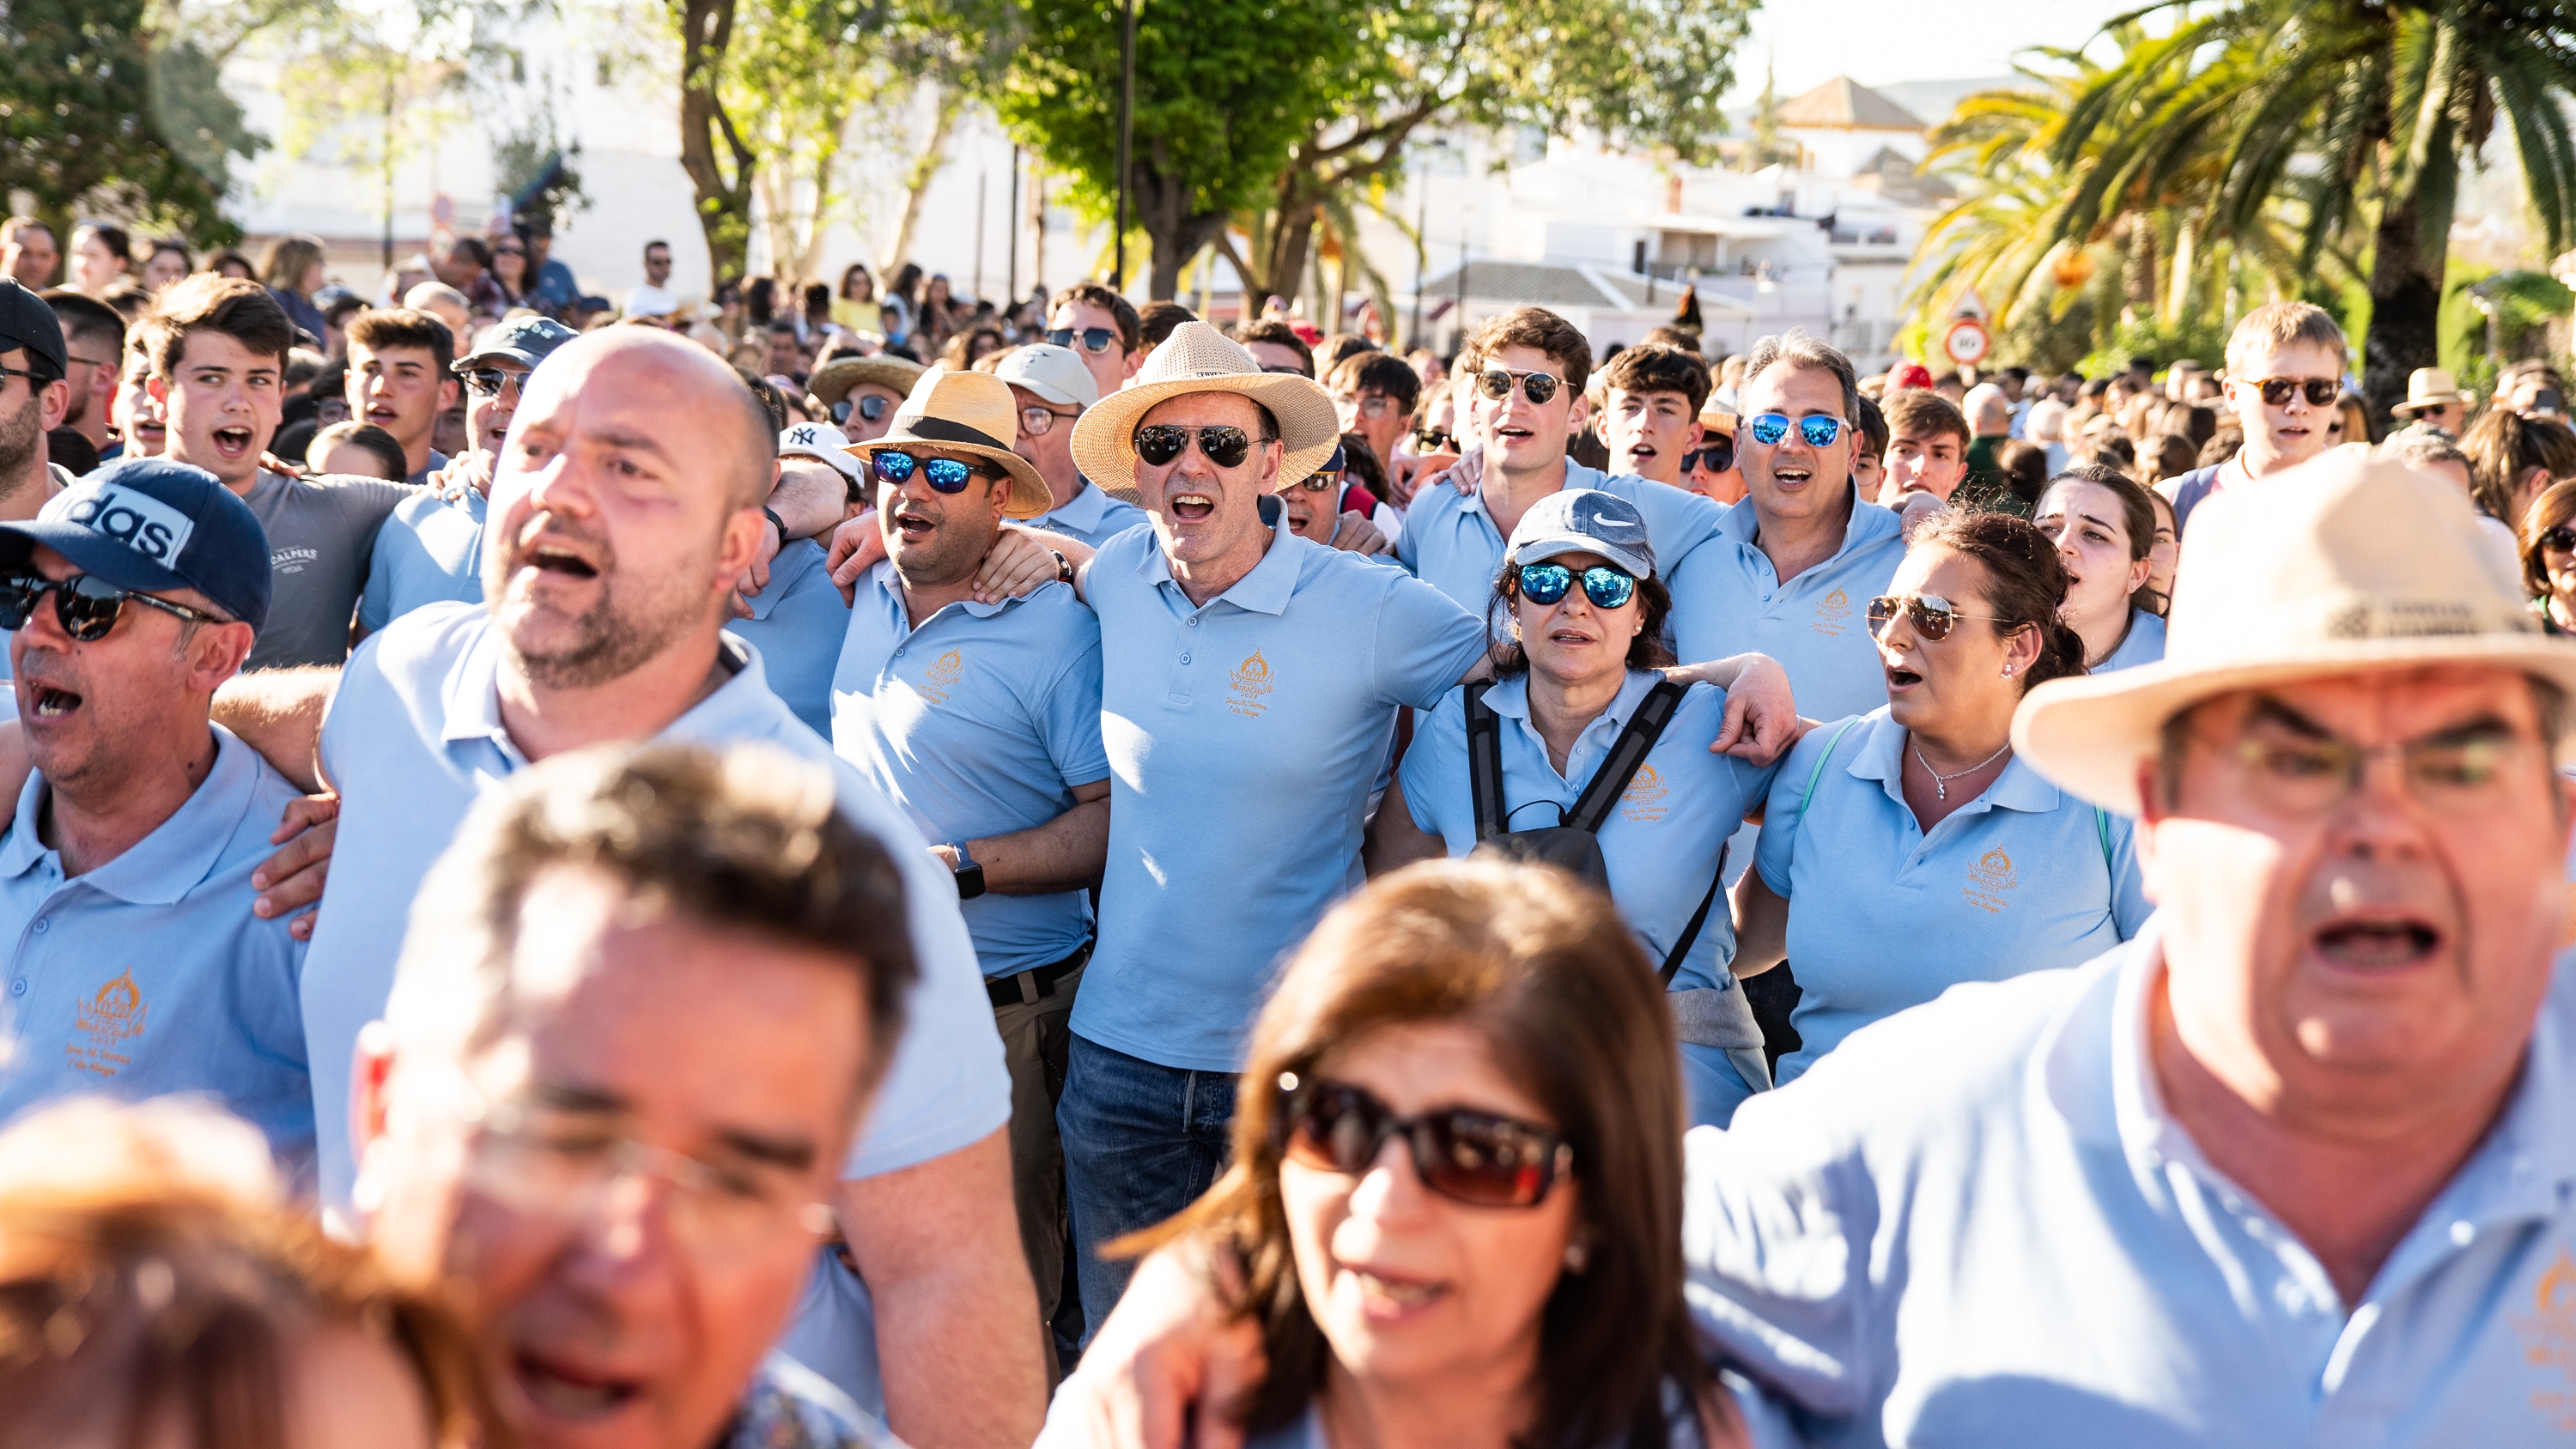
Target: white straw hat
[
  {"x": 1199, "y": 358},
  {"x": 2339, "y": 566}
]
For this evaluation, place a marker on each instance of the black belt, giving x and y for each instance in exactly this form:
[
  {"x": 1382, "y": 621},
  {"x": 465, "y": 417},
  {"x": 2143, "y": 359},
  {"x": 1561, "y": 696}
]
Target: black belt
[{"x": 1028, "y": 988}]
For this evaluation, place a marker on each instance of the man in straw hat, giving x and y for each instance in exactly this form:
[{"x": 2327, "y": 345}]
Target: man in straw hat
[
  {"x": 859, "y": 395},
  {"x": 2296, "y": 1165},
  {"x": 2433, "y": 398},
  {"x": 1250, "y": 693}
]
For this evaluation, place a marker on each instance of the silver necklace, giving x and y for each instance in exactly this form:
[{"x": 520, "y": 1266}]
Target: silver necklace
[{"x": 1940, "y": 782}]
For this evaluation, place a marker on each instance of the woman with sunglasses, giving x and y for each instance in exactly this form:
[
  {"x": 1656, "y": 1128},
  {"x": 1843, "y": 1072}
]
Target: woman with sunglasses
[
  {"x": 1908, "y": 849},
  {"x": 510, "y": 269},
  {"x": 1576, "y": 631},
  {"x": 1457, "y": 1184},
  {"x": 2104, "y": 527},
  {"x": 2549, "y": 558}
]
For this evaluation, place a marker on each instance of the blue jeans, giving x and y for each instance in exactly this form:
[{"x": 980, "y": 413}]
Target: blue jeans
[{"x": 1141, "y": 1142}]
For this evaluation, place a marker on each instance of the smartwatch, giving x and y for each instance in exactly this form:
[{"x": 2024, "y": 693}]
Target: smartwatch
[
  {"x": 970, "y": 876},
  {"x": 776, "y": 522},
  {"x": 1063, "y": 566}
]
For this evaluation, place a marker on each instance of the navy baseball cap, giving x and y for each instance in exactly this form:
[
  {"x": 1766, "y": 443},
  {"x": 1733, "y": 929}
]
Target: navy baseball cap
[
  {"x": 524, "y": 340},
  {"x": 27, "y": 322},
  {"x": 152, "y": 525}
]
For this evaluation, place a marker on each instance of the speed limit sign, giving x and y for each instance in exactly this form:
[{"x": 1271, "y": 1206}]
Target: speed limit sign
[{"x": 1967, "y": 341}]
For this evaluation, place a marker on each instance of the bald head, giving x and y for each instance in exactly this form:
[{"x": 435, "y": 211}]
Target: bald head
[{"x": 696, "y": 402}]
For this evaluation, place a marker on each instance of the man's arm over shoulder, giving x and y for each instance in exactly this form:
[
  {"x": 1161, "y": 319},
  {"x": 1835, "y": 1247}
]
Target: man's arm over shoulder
[
  {"x": 1776, "y": 1242},
  {"x": 278, "y": 713},
  {"x": 1424, "y": 644}
]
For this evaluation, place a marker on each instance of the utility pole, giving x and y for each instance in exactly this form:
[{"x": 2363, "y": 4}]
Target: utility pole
[
  {"x": 389, "y": 169},
  {"x": 1012, "y": 288},
  {"x": 1126, "y": 123},
  {"x": 983, "y": 189}
]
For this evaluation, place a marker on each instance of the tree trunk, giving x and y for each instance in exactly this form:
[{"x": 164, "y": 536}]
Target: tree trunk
[
  {"x": 2405, "y": 306},
  {"x": 1292, "y": 238},
  {"x": 917, "y": 180},
  {"x": 724, "y": 206},
  {"x": 1162, "y": 208}
]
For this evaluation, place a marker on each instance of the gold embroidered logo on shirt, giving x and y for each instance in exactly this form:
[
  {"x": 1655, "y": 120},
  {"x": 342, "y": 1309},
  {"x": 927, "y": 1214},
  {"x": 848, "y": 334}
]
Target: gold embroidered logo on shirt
[
  {"x": 942, "y": 676},
  {"x": 1643, "y": 800},
  {"x": 111, "y": 1018},
  {"x": 1831, "y": 611},
  {"x": 1248, "y": 695},
  {"x": 1991, "y": 880},
  {"x": 2548, "y": 1335}
]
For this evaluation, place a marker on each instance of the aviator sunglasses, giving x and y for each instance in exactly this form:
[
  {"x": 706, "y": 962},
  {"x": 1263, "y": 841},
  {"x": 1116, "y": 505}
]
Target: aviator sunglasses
[
  {"x": 945, "y": 475},
  {"x": 1466, "y": 1156},
  {"x": 1818, "y": 431},
  {"x": 1224, "y": 446},
  {"x": 485, "y": 381},
  {"x": 1933, "y": 616},
  {"x": 2321, "y": 391},
  {"x": 1606, "y": 587},
  {"x": 86, "y": 607},
  {"x": 1538, "y": 387}
]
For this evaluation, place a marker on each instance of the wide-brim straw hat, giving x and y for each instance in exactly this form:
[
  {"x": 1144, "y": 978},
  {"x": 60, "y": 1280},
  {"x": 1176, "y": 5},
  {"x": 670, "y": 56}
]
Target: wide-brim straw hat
[
  {"x": 2340, "y": 566},
  {"x": 833, "y": 380},
  {"x": 1199, "y": 358},
  {"x": 966, "y": 412}
]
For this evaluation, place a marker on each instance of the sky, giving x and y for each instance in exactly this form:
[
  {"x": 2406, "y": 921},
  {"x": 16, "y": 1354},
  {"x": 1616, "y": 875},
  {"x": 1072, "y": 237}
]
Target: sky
[{"x": 1809, "y": 42}]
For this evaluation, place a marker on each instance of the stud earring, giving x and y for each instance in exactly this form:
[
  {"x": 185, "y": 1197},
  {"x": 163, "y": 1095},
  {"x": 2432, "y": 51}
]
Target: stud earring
[
  {"x": 2007, "y": 671},
  {"x": 1576, "y": 1257}
]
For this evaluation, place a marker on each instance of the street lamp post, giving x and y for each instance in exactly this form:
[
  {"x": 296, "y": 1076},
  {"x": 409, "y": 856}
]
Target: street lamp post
[{"x": 1126, "y": 122}]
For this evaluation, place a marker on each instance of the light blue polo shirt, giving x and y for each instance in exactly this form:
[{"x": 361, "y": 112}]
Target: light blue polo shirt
[
  {"x": 1728, "y": 600},
  {"x": 1244, "y": 737},
  {"x": 796, "y": 623},
  {"x": 1451, "y": 543},
  {"x": 1883, "y": 917},
  {"x": 1978, "y": 1223},
  {"x": 429, "y": 551},
  {"x": 414, "y": 737},
  {"x": 1093, "y": 517},
  {"x": 978, "y": 723},
  {"x": 2145, "y": 644},
  {"x": 1661, "y": 841},
  {"x": 149, "y": 974}
]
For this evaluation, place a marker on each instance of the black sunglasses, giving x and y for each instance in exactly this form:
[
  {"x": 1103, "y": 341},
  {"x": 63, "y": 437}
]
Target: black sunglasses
[
  {"x": 2321, "y": 391},
  {"x": 1094, "y": 339},
  {"x": 86, "y": 607},
  {"x": 485, "y": 381},
  {"x": 1284, "y": 367},
  {"x": 2561, "y": 539},
  {"x": 1224, "y": 446},
  {"x": 1717, "y": 455},
  {"x": 1433, "y": 440},
  {"x": 945, "y": 475},
  {"x": 1538, "y": 387},
  {"x": 1466, "y": 1156},
  {"x": 1933, "y": 616},
  {"x": 1606, "y": 587},
  {"x": 870, "y": 408}
]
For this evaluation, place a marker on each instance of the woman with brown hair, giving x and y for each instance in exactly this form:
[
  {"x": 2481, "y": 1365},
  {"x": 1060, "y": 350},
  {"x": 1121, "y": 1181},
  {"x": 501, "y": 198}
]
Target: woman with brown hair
[
  {"x": 2549, "y": 557},
  {"x": 155, "y": 1290},
  {"x": 293, "y": 271},
  {"x": 2512, "y": 458},
  {"x": 1917, "y": 824},
  {"x": 1457, "y": 1179},
  {"x": 2104, "y": 527}
]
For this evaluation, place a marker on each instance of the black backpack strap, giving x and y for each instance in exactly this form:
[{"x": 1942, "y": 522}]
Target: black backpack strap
[
  {"x": 1690, "y": 933},
  {"x": 1628, "y": 752},
  {"x": 1484, "y": 764}
]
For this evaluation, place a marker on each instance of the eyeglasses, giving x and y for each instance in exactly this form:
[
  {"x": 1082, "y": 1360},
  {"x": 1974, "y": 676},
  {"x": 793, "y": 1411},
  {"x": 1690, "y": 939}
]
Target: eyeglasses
[
  {"x": 561, "y": 1166},
  {"x": 2321, "y": 391},
  {"x": 1818, "y": 430},
  {"x": 2561, "y": 539},
  {"x": 86, "y": 607},
  {"x": 1225, "y": 447},
  {"x": 1466, "y": 1156},
  {"x": 509, "y": 251},
  {"x": 1538, "y": 387},
  {"x": 1367, "y": 407},
  {"x": 1094, "y": 339},
  {"x": 1933, "y": 616},
  {"x": 1283, "y": 367},
  {"x": 1036, "y": 422},
  {"x": 486, "y": 381},
  {"x": 31, "y": 377},
  {"x": 1716, "y": 455},
  {"x": 2466, "y": 773},
  {"x": 1606, "y": 587},
  {"x": 870, "y": 409},
  {"x": 945, "y": 475}
]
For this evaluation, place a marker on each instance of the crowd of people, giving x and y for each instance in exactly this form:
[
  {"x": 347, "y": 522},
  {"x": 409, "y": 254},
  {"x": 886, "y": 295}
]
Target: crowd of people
[{"x": 852, "y": 866}]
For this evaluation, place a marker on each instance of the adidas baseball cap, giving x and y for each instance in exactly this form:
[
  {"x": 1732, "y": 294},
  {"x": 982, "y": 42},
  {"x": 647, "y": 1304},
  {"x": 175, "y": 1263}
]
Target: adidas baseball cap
[{"x": 153, "y": 525}]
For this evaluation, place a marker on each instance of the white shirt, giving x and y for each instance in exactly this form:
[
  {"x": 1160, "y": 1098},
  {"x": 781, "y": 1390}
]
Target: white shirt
[{"x": 647, "y": 300}]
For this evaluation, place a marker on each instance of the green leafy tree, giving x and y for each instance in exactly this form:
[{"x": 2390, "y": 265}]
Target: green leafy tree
[
  {"x": 2360, "y": 112},
  {"x": 103, "y": 109}
]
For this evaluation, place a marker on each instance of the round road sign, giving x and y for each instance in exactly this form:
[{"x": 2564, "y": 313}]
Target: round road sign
[{"x": 1967, "y": 341}]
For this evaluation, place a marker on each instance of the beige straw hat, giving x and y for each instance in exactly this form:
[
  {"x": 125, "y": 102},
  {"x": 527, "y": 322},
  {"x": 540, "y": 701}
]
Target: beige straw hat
[
  {"x": 967, "y": 412},
  {"x": 833, "y": 380},
  {"x": 1199, "y": 358},
  {"x": 2338, "y": 566}
]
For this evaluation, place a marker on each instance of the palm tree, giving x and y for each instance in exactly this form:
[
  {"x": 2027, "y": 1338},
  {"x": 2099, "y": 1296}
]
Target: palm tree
[{"x": 2360, "y": 113}]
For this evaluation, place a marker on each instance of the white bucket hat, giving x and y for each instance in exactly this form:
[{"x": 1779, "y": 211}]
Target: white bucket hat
[
  {"x": 2338, "y": 566},
  {"x": 1199, "y": 358}
]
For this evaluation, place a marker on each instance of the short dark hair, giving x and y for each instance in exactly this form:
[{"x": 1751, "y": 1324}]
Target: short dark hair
[
  {"x": 1797, "y": 348},
  {"x": 1872, "y": 424},
  {"x": 1156, "y": 323},
  {"x": 1538, "y": 329},
  {"x": 1130, "y": 330},
  {"x": 207, "y": 302},
  {"x": 1340, "y": 348},
  {"x": 85, "y": 318},
  {"x": 1376, "y": 371},
  {"x": 1653, "y": 367},
  {"x": 374, "y": 439},
  {"x": 387, "y": 327},
  {"x": 656, "y": 242},
  {"x": 1277, "y": 333},
  {"x": 1361, "y": 459},
  {"x": 2025, "y": 582},
  {"x": 770, "y": 398},
  {"x": 1920, "y": 412}
]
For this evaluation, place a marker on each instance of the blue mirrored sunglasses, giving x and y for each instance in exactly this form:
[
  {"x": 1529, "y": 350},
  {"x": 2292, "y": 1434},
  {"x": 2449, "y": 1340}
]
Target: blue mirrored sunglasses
[
  {"x": 1606, "y": 587},
  {"x": 947, "y": 475},
  {"x": 1820, "y": 432}
]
